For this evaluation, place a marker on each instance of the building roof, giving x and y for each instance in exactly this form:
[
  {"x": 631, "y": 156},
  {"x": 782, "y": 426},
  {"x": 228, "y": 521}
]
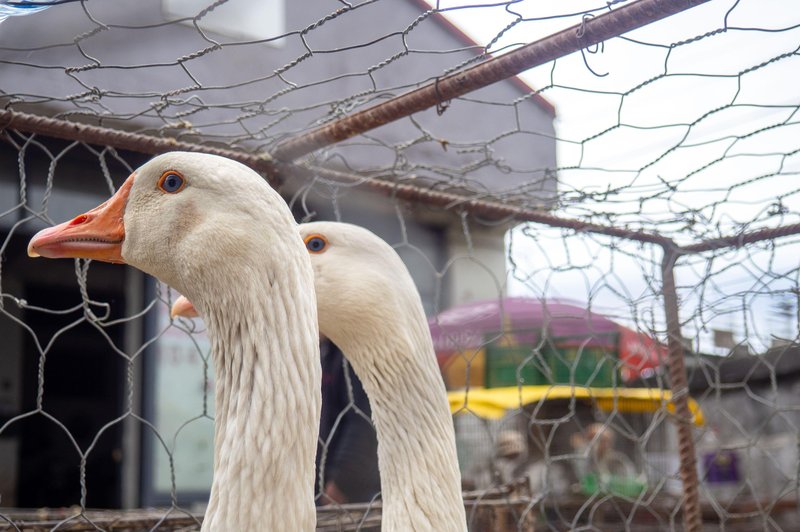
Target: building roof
[
  {"x": 751, "y": 369},
  {"x": 706, "y": 371},
  {"x": 516, "y": 81}
]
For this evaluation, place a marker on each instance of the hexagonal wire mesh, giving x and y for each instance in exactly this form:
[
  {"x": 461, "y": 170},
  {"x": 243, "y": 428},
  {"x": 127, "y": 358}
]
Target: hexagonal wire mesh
[{"x": 576, "y": 306}]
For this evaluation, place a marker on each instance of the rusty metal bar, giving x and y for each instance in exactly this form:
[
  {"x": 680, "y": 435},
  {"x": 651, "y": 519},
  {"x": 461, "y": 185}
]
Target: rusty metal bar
[
  {"x": 565, "y": 42},
  {"x": 742, "y": 239},
  {"x": 489, "y": 209},
  {"x": 124, "y": 140},
  {"x": 679, "y": 385},
  {"x": 277, "y": 171}
]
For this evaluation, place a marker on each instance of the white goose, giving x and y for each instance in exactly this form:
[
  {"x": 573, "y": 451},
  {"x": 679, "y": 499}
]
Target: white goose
[
  {"x": 213, "y": 229},
  {"x": 369, "y": 307}
]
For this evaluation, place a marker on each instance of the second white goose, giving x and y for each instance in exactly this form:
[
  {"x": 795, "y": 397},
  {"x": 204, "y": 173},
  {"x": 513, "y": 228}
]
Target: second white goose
[{"x": 369, "y": 306}]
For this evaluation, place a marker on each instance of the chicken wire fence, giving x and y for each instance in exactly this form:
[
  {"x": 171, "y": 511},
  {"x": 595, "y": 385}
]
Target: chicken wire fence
[{"x": 612, "y": 296}]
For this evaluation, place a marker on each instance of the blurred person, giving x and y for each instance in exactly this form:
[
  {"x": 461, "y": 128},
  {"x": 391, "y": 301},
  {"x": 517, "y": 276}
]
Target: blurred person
[
  {"x": 503, "y": 466},
  {"x": 511, "y": 461},
  {"x": 511, "y": 455},
  {"x": 720, "y": 467},
  {"x": 347, "y": 451}
]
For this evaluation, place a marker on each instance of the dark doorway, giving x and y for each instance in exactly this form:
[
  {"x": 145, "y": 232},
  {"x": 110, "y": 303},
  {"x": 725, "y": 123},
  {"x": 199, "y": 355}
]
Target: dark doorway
[{"x": 83, "y": 383}]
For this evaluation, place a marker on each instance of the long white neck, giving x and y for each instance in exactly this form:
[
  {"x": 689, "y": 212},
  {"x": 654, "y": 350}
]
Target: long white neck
[
  {"x": 420, "y": 479},
  {"x": 266, "y": 356}
]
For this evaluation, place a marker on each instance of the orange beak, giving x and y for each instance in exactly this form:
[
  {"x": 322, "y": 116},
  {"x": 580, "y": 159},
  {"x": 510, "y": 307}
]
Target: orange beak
[
  {"x": 183, "y": 308},
  {"x": 97, "y": 235}
]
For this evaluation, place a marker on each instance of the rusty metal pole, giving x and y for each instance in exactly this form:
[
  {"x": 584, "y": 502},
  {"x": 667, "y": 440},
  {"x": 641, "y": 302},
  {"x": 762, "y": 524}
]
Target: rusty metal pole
[
  {"x": 492, "y": 208},
  {"x": 588, "y": 33},
  {"x": 487, "y": 208},
  {"x": 692, "y": 517}
]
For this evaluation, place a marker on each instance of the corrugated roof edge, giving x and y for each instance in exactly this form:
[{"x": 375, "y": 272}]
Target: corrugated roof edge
[{"x": 518, "y": 82}]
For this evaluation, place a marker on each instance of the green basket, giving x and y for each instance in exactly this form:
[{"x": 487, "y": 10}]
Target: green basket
[{"x": 629, "y": 487}]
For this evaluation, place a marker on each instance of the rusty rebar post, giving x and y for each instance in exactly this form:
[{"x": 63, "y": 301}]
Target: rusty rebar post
[
  {"x": 565, "y": 42},
  {"x": 692, "y": 517}
]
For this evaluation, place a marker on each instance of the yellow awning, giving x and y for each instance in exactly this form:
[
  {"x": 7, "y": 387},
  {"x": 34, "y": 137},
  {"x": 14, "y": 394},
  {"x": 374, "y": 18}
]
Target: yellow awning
[{"x": 493, "y": 403}]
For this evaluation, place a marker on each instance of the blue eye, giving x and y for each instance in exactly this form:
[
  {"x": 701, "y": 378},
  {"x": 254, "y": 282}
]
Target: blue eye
[
  {"x": 171, "y": 182},
  {"x": 316, "y": 243}
]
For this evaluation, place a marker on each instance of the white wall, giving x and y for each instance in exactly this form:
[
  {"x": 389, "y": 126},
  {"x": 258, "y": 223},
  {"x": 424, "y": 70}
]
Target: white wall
[{"x": 477, "y": 265}]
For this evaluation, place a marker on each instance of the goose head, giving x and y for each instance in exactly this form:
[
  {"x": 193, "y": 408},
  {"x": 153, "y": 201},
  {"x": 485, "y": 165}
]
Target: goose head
[
  {"x": 179, "y": 216},
  {"x": 363, "y": 288}
]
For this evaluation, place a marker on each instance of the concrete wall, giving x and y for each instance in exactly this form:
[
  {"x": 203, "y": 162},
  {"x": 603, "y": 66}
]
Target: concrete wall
[{"x": 477, "y": 264}]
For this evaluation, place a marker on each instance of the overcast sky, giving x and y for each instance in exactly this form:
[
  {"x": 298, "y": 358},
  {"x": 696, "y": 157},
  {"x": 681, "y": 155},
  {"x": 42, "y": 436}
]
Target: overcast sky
[{"x": 716, "y": 176}]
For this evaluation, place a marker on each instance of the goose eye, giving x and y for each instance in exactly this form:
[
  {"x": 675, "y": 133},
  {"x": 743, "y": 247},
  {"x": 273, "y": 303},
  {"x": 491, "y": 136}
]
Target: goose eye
[
  {"x": 316, "y": 243},
  {"x": 171, "y": 182}
]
